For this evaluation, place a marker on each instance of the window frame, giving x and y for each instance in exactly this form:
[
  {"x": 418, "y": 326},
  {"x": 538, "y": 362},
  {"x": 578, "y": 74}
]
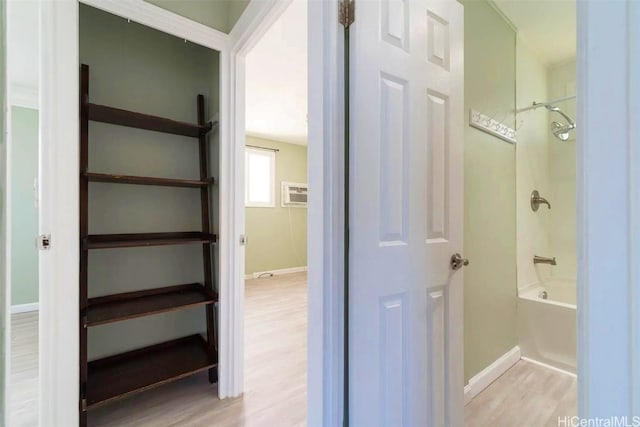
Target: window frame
[{"x": 272, "y": 161}]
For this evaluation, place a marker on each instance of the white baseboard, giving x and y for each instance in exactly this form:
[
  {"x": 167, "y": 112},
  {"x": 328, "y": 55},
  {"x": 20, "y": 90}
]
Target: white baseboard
[
  {"x": 276, "y": 272},
  {"x": 553, "y": 368},
  {"x": 491, "y": 373},
  {"x": 24, "y": 308}
]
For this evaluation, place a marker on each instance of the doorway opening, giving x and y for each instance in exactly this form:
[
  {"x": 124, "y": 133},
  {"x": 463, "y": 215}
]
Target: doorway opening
[
  {"x": 21, "y": 300},
  {"x": 149, "y": 171},
  {"x": 275, "y": 227},
  {"x": 520, "y": 235}
]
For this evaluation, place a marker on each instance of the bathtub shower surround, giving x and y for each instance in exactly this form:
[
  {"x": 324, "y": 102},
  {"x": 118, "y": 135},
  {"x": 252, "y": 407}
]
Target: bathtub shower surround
[
  {"x": 546, "y": 178},
  {"x": 547, "y": 326}
]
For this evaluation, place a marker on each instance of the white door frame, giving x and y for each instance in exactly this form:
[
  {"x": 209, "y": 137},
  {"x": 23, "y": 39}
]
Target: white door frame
[
  {"x": 608, "y": 229},
  {"x": 326, "y": 129},
  {"x": 59, "y": 171},
  {"x": 5, "y": 283},
  {"x": 608, "y": 292},
  {"x": 251, "y": 26},
  {"x": 325, "y": 230},
  {"x": 59, "y": 185}
]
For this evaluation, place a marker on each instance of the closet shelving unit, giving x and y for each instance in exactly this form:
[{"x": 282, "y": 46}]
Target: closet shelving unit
[{"x": 114, "y": 377}]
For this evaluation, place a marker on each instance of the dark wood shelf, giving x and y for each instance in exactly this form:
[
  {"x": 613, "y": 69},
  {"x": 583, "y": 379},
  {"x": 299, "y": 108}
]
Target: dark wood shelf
[
  {"x": 105, "y": 241},
  {"x": 115, "y": 377},
  {"x": 118, "y": 307},
  {"x": 116, "y": 116},
  {"x": 146, "y": 180},
  {"x": 125, "y": 374}
]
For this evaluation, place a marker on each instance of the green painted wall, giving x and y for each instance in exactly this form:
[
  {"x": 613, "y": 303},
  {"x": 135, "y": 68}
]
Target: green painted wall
[
  {"x": 277, "y": 237},
  {"x": 219, "y": 14},
  {"x": 236, "y": 7},
  {"x": 24, "y": 214},
  {"x": 140, "y": 69},
  {"x": 489, "y": 196}
]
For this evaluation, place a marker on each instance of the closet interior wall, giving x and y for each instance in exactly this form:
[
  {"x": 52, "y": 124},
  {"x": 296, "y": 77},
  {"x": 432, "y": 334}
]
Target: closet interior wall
[{"x": 140, "y": 69}]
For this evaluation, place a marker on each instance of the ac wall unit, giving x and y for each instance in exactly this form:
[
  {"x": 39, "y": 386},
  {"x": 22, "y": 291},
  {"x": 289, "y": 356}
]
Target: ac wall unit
[{"x": 294, "y": 194}]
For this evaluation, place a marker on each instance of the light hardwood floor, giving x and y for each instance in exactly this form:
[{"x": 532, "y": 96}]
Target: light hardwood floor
[
  {"x": 527, "y": 395},
  {"x": 23, "y": 380},
  {"x": 275, "y": 371}
]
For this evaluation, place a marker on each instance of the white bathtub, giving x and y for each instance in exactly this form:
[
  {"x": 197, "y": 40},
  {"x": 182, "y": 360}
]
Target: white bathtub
[{"x": 547, "y": 327}]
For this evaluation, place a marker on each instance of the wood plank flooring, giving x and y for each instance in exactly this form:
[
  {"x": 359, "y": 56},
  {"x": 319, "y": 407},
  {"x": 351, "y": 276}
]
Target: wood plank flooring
[
  {"x": 23, "y": 399},
  {"x": 527, "y": 395},
  {"x": 275, "y": 371}
]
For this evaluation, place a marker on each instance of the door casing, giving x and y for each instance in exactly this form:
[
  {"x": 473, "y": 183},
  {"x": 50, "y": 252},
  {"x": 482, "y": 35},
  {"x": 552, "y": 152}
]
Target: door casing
[
  {"x": 59, "y": 322},
  {"x": 608, "y": 280}
]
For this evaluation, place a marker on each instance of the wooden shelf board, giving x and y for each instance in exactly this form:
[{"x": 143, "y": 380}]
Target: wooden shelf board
[
  {"x": 146, "y": 180},
  {"x": 116, "y": 116},
  {"x": 118, "y": 307},
  {"x": 125, "y": 374},
  {"x": 105, "y": 241}
]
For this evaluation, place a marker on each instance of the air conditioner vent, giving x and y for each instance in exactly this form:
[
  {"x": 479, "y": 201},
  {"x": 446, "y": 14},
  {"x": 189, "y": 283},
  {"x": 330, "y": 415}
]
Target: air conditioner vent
[{"x": 294, "y": 194}]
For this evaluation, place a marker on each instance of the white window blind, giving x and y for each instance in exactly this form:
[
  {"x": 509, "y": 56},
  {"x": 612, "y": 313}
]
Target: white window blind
[{"x": 260, "y": 170}]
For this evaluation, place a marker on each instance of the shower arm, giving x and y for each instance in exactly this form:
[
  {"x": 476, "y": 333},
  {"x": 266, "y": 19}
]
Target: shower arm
[
  {"x": 571, "y": 123},
  {"x": 535, "y": 105}
]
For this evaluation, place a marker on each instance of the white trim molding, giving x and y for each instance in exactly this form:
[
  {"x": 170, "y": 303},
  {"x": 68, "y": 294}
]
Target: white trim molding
[
  {"x": 23, "y": 96},
  {"x": 25, "y": 308},
  {"x": 325, "y": 208},
  {"x": 484, "y": 378},
  {"x": 326, "y": 249},
  {"x": 59, "y": 326},
  {"x": 253, "y": 23},
  {"x": 59, "y": 214},
  {"x": 163, "y": 20},
  {"x": 59, "y": 190},
  {"x": 279, "y": 272},
  {"x": 545, "y": 365},
  {"x": 608, "y": 182}
]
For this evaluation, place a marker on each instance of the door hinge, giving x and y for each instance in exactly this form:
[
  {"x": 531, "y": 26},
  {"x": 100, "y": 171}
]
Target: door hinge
[
  {"x": 243, "y": 240},
  {"x": 83, "y": 405},
  {"x": 44, "y": 242},
  {"x": 347, "y": 12}
]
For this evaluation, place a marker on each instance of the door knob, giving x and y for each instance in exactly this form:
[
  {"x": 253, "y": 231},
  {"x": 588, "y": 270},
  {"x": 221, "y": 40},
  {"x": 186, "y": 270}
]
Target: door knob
[{"x": 457, "y": 262}]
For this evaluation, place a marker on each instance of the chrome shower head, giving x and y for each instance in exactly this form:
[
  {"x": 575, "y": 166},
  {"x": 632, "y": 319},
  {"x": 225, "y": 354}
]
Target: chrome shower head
[{"x": 559, "y": 130}]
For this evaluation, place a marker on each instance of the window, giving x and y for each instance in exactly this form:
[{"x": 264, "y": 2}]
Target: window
[{"x": 260, "y": 170}]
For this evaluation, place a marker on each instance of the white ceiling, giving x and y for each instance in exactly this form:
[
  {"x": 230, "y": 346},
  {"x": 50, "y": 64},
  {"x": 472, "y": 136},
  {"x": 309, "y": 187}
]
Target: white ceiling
[
  {"x": 276, "y": 70},
  {"x": 548, "y": 27}
]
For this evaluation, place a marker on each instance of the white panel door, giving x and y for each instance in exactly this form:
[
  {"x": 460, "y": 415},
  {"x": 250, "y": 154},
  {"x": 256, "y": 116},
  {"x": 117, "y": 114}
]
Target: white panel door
[{"x": 405, "y": 363}]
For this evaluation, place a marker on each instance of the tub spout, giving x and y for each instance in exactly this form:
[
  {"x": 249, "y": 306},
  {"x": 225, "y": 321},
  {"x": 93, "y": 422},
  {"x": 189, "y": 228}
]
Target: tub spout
[{"x": 544, "y": 260}]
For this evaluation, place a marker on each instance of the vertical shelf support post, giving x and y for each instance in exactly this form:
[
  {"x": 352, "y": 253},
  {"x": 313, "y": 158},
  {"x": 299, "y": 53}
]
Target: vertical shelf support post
[
  {"x": 206, "y": 228},
  {"x": 84, "y": 232}
]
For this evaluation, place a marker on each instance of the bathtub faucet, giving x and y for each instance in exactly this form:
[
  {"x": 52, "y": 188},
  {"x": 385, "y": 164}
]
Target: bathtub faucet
[{"x": 544, "y": 260}]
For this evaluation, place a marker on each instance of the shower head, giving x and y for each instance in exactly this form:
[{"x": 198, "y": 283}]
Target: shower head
[{"x": 561, "y": 131}]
